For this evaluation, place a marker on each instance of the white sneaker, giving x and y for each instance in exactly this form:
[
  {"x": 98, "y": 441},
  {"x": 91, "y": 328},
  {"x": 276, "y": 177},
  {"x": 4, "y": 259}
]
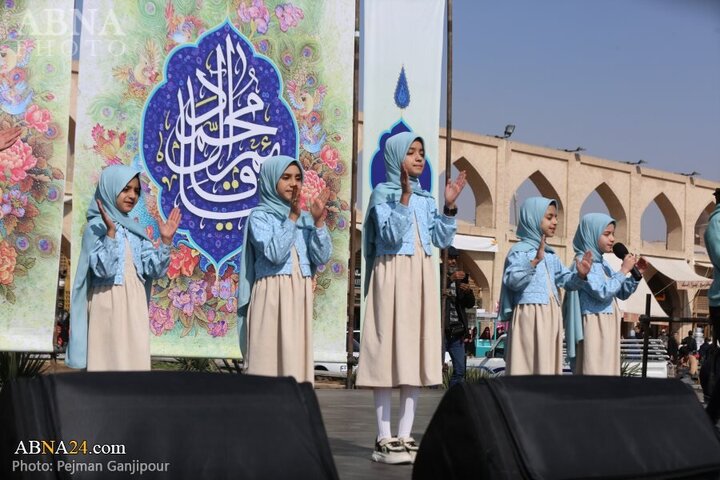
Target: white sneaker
[
  {"x": 391, "y": 451},
  {"x": 411, "y": 447}
]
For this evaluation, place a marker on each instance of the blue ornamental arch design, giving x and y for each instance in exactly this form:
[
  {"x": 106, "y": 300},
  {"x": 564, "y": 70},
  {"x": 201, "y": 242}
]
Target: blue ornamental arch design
[
  {"x": 377, "y": 162},
  {"x": 206, "y": 131},
  {"x": 378, "y": 173}
]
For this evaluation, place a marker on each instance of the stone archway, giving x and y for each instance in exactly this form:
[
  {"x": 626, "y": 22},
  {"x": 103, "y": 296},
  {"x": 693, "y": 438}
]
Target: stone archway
[
  {"x": 484, "y": 209},
  {"x": 482, "y": 300},
  {"x": 701, "y": 224},
  {"x": 615, "y": 210},
  {"x": 546, "y": 190},
  {"x": 674, "y": 227}
]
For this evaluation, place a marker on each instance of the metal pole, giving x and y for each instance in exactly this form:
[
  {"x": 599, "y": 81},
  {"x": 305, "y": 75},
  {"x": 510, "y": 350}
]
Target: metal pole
[
  {"x": 353, "y": 200},
  {"x": 645, "y": 321},
  {"x": 448, "y": 154}
]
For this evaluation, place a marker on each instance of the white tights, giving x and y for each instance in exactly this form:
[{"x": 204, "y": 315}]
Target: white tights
[{"x": 408, "y": 404}]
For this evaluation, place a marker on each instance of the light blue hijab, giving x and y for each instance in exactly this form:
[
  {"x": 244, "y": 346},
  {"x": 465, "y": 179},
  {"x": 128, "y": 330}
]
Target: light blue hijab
[
  {"x": 273, "y": 204},
  {"x": 586, "y": 239},
  {"x": 112, "y": 181},
  {"x": 712, "y": 243},
  {"x": 396, "y": 148},
  {"x": 532, "y": 213}
]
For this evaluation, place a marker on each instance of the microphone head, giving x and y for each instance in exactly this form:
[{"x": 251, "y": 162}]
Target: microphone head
[{"x": 620, "y": 250}]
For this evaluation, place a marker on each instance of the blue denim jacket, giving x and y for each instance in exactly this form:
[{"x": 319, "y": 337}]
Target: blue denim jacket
[
  {"x": 521, "y": 276},
  {"x": 602, "y": 285},
  {"x": 275, "y": 238},
  {"x": 396, "y": 232},
  {"x": 107, "y": 258}
]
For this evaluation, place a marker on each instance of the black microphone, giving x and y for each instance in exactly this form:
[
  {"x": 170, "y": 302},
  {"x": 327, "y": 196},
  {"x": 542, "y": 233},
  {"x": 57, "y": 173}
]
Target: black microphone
[{"x": 621, "y": 252}]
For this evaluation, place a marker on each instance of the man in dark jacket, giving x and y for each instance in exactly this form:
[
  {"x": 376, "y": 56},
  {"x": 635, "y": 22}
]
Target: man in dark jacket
[
  {"x": 690, "y": 342},
  {"x": 457, "y": 296}
]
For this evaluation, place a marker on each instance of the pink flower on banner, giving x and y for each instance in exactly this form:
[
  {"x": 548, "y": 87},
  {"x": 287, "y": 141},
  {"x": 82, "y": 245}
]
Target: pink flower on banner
[
  {"x": 225, "y": 289},
  {"x": 38, "y": 118},
  {"x": 312, "y": 186},
  {"x": 289, "y": 16},
  {"x": 161, "y": 320},
  {"x": 182, "y": 301},
  {"x": 329, "y": 156},
  {"x": 257, "y": 12},
  {"x": 14, "y": 203},
  {"x": 216, "y": 329},
  {"x": 7, "y": 266},
  {"x": 16, "y": 161},
  {"x": 183, "y": 261},
  {"x": 197, "y": 292}
]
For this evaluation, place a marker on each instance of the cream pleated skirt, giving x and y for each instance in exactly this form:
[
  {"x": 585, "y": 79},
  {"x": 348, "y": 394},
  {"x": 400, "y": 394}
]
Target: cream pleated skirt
[
  {"x": 118, "y": 324},
  {"x": 535, "y": 340},
  {"x": 599, "y": 352},
  {"x": 280, "y": 319},
  {"x": 401, "y": 338}
]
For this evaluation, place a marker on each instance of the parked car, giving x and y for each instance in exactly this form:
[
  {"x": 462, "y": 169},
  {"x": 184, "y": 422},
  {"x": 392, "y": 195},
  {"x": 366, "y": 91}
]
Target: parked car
[
  {"x": 493, "y": 361},
  {"x": 339, "y": 368}
]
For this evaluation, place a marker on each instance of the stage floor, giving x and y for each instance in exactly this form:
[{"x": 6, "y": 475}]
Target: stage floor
[{"x": 349, "y": 417}]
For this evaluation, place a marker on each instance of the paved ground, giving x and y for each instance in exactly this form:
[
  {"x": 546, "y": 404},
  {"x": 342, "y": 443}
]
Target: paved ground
[{"x": 349, "y": 417}]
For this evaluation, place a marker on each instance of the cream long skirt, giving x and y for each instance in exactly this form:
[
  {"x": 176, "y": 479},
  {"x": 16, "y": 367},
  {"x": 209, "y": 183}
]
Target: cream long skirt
[
  {"x": 599, "y": 352},
  {"x": 280, "y": 318},
  {"x": 118, "y": 324},
  {"x": 401, "y": 338},
  {"x": 535, "y": 340}
]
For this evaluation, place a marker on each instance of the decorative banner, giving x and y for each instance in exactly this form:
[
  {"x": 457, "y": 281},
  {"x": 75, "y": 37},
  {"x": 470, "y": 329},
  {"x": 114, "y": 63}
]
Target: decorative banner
[
  {"x": 35, "y": 73},
  {"x": 197, "y": 95},
  {"x": 402, "y": 82}
]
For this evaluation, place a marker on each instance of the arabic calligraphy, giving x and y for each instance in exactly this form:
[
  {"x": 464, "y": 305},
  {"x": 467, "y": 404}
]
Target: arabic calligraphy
[{"x": 208, "y": 129}]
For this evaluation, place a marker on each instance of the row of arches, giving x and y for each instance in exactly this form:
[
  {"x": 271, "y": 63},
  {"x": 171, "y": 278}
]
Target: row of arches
[{"x": 660, "y": 222}]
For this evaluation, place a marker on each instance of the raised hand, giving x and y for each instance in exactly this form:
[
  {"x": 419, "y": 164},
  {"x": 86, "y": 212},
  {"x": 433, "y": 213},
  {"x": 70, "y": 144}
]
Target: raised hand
[
  {"x": 168, "y": 229},
  {"x": 641, "y": 265},
  {"x": 317, "y": 209},
  {"x": 540, "y": 252},
  {"x": 8, "y": 137},
  {"x": 405, "y": 184},
  {"x": 106, "y": 219},
  {"x": 584, "y": 264},
  {"x": 453, "y": 189},
  {"x": 458, "y": 275},
  {"x": 295, "y": 205},
  {"x": 628, "y": 263}
]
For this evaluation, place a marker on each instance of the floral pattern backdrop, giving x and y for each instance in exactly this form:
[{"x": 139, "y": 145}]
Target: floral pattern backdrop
[
  {"x": 310, "y": 42},
  {"x": 35, "y": 72}
]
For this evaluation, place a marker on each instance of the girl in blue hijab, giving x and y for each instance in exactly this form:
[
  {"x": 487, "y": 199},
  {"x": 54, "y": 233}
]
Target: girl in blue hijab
[
  {"x": 283, "y": 247},
  {"x": 109, "y": 320},
  {"x": 591, "y": 315},
  {"x": 401, "y": 334},
  {"x": 529, "y": 297}
]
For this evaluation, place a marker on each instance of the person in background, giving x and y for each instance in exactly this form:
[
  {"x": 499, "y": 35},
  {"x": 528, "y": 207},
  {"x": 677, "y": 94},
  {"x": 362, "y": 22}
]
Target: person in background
[
  {"x": 458, "y": 296},
  {"x": 703, "y": 350},
  {"x": 470, "y": 342},
  {"x": 673, "y": 348},
  {"x": 690, "y": 342}
]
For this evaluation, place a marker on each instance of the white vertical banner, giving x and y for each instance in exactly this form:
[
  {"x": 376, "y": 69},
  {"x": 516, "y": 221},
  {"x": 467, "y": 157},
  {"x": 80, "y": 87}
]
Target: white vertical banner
[{"x": 402, "y": 81}]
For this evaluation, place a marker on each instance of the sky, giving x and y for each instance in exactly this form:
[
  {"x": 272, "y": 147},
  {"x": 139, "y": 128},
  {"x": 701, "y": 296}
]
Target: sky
[{"x": 625, "y": 79}]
